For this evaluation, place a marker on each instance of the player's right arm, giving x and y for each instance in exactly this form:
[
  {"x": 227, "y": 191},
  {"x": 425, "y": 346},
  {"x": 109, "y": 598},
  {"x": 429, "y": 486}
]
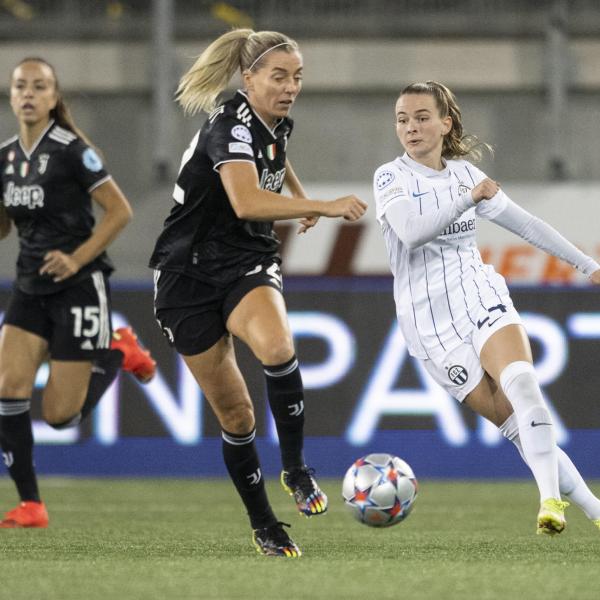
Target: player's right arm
[
  {"x": 403, "y": 215},
  {"x": 250, "y": 202}
]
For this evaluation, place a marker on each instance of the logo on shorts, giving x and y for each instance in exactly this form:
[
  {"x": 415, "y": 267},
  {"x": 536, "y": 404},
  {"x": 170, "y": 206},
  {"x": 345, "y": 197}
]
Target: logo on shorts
[
  {"x": 482, "y": 322},
  {"x": 458, "y": 374}
]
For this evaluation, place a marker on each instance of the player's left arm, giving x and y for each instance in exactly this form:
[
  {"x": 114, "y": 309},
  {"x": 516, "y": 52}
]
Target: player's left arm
[
  {"x": 295, "y": 188},
  {"x": 117, "y": 213},
  {"x": 538, "y": 233}
]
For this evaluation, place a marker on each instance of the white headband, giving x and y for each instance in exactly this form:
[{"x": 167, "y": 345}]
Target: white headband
[{"x": 267, "y": 50}]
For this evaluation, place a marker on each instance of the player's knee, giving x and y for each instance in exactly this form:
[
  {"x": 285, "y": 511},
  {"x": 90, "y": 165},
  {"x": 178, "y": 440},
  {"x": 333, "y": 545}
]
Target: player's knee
[
  {"x": 14, "y": 386},
  {"x": 237, "y": 419},
  {"x": 276, "y": 351}
]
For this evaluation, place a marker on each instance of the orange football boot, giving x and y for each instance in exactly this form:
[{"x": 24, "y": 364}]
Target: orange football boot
[
  {"x": 27, "y": 514},
  {"x": 136, "y": 360}
]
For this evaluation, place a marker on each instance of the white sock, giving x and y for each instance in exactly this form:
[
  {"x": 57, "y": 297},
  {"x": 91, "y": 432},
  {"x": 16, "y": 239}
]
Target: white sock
[
  {"x": 536, "y": 431},
  {"x": 570, "y": 481}
]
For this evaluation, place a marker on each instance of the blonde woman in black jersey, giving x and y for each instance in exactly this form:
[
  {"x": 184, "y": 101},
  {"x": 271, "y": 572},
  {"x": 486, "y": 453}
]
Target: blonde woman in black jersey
[{"x": 217, "y": 265}]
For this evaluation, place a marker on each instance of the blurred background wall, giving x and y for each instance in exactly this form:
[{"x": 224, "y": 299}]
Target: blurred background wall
[
  {"x": 527, "y": 77},
  {"x": 526, "y": 73}
]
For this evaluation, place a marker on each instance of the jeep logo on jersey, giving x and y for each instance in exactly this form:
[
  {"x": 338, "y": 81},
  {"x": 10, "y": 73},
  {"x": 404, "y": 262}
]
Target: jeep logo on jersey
[
  {"x": 31, "y": 196},
  {"x": 272, "y": 181},
  {"x": 458, "y": 374}
]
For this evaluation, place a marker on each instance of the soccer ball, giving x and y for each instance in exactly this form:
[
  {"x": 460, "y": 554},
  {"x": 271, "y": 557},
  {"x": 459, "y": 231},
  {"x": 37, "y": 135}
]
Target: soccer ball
[{"x": 380, "y": 490}]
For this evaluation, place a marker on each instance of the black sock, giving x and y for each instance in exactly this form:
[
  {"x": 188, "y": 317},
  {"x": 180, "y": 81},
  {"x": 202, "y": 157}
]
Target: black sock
[
  {"x": 286, "y": 398},
  {"x": 242, "y": 463},
  {"x": 104, "y": 372},
  {"x": 16, "y": 440}
]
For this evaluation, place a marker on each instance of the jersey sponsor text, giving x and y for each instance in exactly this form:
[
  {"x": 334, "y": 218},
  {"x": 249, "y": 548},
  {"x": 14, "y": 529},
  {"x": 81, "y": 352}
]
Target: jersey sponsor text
[{"x": 31, "y": 196}]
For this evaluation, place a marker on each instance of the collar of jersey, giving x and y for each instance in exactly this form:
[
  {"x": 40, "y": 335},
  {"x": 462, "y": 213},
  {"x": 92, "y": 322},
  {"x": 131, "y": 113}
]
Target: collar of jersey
[
  {"x": 422, "y": 169},
  {"x": 271, "y": 131},
  {"x": 29, "y": 154}
]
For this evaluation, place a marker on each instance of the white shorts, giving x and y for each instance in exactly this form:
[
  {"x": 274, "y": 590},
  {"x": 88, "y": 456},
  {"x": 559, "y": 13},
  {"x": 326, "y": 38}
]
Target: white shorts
[{"x": 459, "y": 370}]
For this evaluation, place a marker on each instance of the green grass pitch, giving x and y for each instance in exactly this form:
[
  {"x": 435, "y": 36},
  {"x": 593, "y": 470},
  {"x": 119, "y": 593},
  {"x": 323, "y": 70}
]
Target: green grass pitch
[{"x": 184, "y": 539}]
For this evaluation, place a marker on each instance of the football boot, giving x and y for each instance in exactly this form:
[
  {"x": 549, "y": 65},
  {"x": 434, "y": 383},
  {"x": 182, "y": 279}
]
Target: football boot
[
  {"x": 301, "y": 484},
  {"x": 136, "y": 360},
  {"x": 551, "y": 518},
  {"x": 27, "y": 514},
  {"x": 274, "y": 541}
]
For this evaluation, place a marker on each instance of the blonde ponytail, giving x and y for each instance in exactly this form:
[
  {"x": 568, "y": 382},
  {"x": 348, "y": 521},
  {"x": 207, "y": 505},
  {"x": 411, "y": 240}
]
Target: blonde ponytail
[{"x": 242, "y": 49}]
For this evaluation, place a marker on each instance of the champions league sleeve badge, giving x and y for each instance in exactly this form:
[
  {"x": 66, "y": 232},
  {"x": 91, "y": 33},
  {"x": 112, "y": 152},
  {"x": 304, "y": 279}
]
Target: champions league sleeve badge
[{"x": 91, "y": 160}]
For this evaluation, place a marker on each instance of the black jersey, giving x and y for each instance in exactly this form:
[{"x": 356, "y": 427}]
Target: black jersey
[
  {"x": 46, "y": 192},
  {"x": 202, "y": 236}
]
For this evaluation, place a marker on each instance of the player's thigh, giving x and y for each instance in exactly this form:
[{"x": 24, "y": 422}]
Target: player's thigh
[
  {"x": 219, "y": 377},
  {"x": 260, "y": 321},
  {"x": 65, "y": 390},
  {"x": 81, "y": 320},
  {"x": 21, "y": 354},
  {"x": 508, "y": 344},
  {"x": 488, "y": 400}
]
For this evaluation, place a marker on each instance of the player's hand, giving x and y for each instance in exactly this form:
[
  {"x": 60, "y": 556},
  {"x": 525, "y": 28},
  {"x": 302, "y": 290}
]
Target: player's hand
[
  {"x": 59, "y": 266},
  {"x": 307, "y": 223},
  {"x": 595, "y": 277},
  {"x": 485, "y": 190},
  {"x": 350, "y": 207}
]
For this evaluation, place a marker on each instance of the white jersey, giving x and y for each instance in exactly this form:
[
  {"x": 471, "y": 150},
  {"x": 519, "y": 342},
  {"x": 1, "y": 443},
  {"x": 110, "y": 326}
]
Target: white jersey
[{"x": 442, "y": 285}]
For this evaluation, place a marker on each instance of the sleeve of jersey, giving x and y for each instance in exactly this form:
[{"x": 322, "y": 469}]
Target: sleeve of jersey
[
  {"x": 541, "y": 235},
  {"x": 89, "y": 169},
  {"x": 404, "y": 217},
  {"x": 486, "y": 209},
  {"x": 229, "y": 141}
]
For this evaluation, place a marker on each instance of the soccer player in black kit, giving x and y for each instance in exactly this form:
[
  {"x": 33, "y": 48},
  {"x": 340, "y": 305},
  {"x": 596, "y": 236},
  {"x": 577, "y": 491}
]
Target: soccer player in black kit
[
  {"x": 217, "y": 267},
  {"x": 59, "y": 309}
]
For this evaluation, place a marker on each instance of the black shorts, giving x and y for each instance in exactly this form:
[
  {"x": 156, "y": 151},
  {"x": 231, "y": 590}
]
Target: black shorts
[
  {"x": 76, "y": 322},
  {"x": 192, "y": 314}
]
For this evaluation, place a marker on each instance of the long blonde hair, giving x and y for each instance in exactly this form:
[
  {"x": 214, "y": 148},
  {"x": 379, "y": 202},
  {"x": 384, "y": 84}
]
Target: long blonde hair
[
  {"x": 200, "y": 87},
  {"x": 60, "y": 113},
  {"x": 456, "y": 144}
]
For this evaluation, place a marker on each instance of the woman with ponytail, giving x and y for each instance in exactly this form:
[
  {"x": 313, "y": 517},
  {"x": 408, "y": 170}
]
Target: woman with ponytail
[
  {"x": 216, "y": 262},
  {"x": 59, "y": 310},
  {"x": 455, "y": 312}
]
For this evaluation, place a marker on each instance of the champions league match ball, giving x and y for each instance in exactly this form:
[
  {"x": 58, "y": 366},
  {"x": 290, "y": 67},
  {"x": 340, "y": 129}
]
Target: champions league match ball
[{"x": 379, "y": 490}]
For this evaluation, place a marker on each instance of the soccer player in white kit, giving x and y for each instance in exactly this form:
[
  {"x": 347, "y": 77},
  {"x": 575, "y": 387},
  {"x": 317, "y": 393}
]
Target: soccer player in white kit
[{"x": 455, "y": 312}]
